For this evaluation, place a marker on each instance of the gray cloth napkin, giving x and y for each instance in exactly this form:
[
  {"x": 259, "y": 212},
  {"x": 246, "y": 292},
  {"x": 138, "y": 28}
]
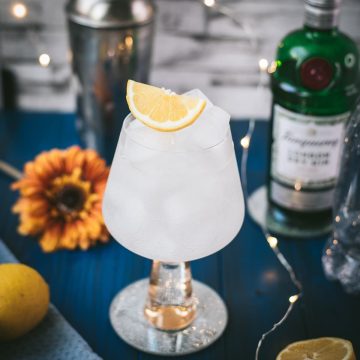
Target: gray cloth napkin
[{"x": 52, "y": 339}]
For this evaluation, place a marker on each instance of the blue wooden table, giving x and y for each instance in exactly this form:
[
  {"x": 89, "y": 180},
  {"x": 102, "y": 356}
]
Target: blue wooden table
[{"x": 246, "y": 273}]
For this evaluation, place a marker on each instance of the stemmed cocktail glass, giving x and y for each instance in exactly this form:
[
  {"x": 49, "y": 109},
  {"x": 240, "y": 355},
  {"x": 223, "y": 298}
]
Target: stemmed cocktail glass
[{"x": 173, "y": 197}]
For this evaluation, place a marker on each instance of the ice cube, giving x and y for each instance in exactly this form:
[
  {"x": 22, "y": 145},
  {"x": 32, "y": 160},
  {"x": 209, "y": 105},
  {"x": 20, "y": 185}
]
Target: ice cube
[
  {"x": 199, "y": 94},
  {"x": 209, "y": 129},
  {"x": 148, "y": 137}
]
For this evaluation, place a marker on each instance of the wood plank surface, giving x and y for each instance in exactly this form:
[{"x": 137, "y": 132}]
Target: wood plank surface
[{"x": 246, "y": 273}]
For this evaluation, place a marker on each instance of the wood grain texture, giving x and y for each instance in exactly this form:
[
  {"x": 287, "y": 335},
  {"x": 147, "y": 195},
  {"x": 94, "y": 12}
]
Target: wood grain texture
[{"x": 246, "y": 273}]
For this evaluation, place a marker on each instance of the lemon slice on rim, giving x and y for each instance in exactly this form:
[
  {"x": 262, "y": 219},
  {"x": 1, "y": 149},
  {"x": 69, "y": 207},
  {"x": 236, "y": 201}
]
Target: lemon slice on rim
[
  {"x": 162, "y": 109},
  {"x": 326, "y": 348}
]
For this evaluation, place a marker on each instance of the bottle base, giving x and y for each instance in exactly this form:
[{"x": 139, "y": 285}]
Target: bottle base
[{"x": 280, "y": 222}]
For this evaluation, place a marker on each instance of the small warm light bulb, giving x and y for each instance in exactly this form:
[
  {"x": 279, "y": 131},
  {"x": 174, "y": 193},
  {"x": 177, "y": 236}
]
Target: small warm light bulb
[
  {"x": 328, "y": 252},
  {"x": 272, "y": 68},
  {"x": 69, "y": 55},
  {"x": 129, "y": 41},
  {"x": 209, "y": 3},
  {"x": 297, "y": 186},
  {"x": 335, "y": 242},
  {"x": 263, "y": 64},
  {"x": 337, "y": 218},
  {"x": 19, "y": 10},
  {"x": 44, "y": 60},
  {"x": 293, "y": 298},
  {"x": 245, "y": 142},
  {"x": 272, "y": 241}
]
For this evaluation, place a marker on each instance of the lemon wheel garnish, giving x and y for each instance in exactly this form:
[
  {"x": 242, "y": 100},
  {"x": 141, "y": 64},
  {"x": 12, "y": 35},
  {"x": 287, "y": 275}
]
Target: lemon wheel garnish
[
  {"x": 326, "y": 348},
  {"x": 162, "y": 109}
]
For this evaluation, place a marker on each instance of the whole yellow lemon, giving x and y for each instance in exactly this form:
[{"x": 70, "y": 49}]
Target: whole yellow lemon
[{"x": 24, "y": 300}]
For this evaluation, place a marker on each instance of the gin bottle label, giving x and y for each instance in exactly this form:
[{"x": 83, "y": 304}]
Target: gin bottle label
[{"x": 305, "y": 159}]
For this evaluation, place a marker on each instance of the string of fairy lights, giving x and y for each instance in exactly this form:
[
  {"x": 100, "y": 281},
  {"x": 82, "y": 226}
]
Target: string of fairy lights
[
  {"x": 272, "y": 241},
  {"x": 20, "y": 11},
  {"x": 265, "y": 68}
]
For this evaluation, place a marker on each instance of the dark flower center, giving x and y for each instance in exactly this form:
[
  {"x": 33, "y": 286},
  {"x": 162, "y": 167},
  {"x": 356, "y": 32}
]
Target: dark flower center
[{"x": 70, "y": 198}]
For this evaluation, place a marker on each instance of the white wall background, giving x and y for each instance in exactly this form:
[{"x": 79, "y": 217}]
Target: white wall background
[{"x": 194, "y": 47}]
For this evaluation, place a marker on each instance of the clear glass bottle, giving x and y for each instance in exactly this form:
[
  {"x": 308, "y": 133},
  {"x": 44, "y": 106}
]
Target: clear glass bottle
[
  {"x": 314, "y": 88},
  {"x": 341, "y": 258}
]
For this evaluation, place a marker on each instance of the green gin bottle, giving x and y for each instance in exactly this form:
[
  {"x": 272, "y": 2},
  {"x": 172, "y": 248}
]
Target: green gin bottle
[{"x": 314, "y": 87}]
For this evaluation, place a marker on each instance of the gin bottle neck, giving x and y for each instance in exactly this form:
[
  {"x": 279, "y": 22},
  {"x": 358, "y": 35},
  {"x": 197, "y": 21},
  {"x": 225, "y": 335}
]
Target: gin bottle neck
[{"x": 322, "y": 14}]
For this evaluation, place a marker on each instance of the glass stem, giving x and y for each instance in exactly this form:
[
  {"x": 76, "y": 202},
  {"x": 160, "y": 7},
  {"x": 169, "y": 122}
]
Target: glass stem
[{"x": 170, "y": 304}]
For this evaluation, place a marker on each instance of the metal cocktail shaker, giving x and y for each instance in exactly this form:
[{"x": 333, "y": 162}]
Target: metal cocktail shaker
[{"x": 111, "y": 41}]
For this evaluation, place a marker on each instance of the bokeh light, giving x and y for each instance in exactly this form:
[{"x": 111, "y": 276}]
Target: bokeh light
[
  {"x": 44, "y": 60},
  {"x": 19, "y": 10}
]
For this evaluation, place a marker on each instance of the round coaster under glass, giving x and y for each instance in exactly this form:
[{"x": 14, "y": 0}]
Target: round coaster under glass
[{"x": 128, "y": 320}]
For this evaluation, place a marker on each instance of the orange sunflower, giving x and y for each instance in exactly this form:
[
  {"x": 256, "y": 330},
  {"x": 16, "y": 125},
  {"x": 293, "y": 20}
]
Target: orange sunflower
[{"x": 60, "y": 199}]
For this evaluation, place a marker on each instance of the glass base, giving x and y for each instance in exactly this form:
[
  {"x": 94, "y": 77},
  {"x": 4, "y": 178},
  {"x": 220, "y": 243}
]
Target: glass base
[{"x": 128, "y": 320}]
